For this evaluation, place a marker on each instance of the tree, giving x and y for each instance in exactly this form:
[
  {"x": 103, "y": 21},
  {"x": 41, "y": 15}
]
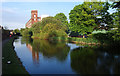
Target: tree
[
  {"x": 48, "y": 27},
  {"x": 82, "y": 18},
  {"x": 116, "y": 20},
  {"x": 63, "y": 19},
  {"x": 53, "y": 30},
  {"x": 27, "y": 32},
  {"x": 36, "y": 28},
  {"x": 50, "y": 19},
  {"x": 16, "y": 31},
  {"x": 106, "y": 17}
]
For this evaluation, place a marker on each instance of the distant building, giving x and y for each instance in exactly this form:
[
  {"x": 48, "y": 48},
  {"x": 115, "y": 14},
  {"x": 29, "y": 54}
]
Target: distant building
[{"x": 34, "y": 18}]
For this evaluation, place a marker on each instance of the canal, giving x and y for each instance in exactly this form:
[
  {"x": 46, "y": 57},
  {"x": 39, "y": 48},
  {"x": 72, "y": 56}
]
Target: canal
[{"x": 55, "y": 57}]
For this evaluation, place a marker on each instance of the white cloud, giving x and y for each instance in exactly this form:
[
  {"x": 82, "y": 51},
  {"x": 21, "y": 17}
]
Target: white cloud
[
  {"x": 9, "y": 10},
  {"x": 42, "y": 0},
  {"x": 43, "y": 16},
  {"x": 13, "y": 25}
]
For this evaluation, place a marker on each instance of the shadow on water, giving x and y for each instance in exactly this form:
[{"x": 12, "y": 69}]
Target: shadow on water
[{"x": 94, "y": 61}]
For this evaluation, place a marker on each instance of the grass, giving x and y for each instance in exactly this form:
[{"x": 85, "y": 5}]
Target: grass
[
  {"x": 9, "y": 54},
  {"x": 76, "y": 40}
]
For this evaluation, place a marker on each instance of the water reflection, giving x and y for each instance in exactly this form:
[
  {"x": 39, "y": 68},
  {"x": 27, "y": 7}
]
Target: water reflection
[
  {"x": 48, "y": 49},
  {"x": 55, "y": 57},
  {"x": 35, "y": 54},
  {"x": 93, "y": 61}
]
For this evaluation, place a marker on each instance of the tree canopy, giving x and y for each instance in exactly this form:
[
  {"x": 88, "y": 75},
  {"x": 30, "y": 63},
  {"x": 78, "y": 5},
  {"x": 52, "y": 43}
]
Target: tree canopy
[
  {"x": 62, "y": 18},
  {"x": 84, "y": 17}
]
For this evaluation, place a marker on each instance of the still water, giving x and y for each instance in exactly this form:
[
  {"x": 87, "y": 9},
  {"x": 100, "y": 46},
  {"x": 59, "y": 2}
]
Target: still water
[{"x": 53, "y": 57}]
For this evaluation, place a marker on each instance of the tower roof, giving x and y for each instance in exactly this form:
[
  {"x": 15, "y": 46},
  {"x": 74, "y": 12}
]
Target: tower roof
[{"x": 34, "y": 11}]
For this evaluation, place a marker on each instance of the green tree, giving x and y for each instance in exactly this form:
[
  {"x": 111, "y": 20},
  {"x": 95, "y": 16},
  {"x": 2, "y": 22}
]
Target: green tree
[
  {"x": 27, "y": 32},
  {"x": 48, "y": 27},
  {"x": 116, "y": 20},
  {"x": 54, "y": 30},
  {"x": 84, "y": 17},
  {"x": 106, "y": 17},
  {"x": 50, "y": 19},
  {"x": 16, "y": 31},
  {"x": 36, "y": 28},
  {"x": 63, "y": 19}
]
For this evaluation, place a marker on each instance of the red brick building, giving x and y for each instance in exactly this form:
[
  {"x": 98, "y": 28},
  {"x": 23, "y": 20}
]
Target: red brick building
[{"x": 34, "y": 18}]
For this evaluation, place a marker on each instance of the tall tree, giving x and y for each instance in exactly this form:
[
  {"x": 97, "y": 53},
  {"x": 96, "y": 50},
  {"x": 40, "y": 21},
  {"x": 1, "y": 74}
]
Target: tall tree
[
  {"x": 116, "y": 20},
  {"x": 63, "y": 19},
  {"x": 83, "y": 17}
]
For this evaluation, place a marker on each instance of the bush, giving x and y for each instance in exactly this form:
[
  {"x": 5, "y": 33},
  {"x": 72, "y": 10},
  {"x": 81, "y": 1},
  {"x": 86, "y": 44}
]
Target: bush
[{"x": 27, "y": 32}]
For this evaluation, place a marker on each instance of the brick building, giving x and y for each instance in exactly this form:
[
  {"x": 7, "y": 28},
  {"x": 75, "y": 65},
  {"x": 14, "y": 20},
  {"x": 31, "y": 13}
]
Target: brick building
[{"x": 34, "y": 18}]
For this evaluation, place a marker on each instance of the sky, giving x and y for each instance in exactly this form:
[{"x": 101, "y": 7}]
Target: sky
[{"x": 16, "y": 14}]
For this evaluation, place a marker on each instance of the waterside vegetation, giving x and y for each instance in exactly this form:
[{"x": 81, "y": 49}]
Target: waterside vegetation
[{"x": 84, "y": 20}]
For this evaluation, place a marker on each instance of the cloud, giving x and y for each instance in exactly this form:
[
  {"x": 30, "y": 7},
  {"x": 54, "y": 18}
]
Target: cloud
[
  {"x": 9, "y": 10},
  {"x": 13, "y": 25},
  {"x": 43, "y": 16},
  {"x": 42, "y": 0}
]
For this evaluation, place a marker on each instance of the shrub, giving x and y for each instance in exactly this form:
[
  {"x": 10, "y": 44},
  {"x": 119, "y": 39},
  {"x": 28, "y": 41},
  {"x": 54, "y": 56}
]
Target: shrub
[{"x": 27, "y": 32}]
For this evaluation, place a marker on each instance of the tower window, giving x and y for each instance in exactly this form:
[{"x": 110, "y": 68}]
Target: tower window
[{"x": 34, "y": 15}]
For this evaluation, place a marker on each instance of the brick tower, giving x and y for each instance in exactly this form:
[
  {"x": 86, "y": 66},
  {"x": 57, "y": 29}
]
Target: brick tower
[{"x": 34, "y": 18}]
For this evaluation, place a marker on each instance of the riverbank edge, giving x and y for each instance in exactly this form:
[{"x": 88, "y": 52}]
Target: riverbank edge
[
  {"x": 67, "y": 39},
  {"x": 21, "y": 69}
]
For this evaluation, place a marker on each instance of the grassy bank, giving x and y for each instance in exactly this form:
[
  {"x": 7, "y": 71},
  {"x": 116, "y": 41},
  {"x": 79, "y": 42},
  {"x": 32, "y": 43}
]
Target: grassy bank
[
  {"x": 9, "y": 54},
  {"x": 89, "y": 41},
  {"x": 77, "y": 40}
]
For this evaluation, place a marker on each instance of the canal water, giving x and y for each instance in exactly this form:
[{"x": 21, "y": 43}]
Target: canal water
[{"x": 55, "y": 57}]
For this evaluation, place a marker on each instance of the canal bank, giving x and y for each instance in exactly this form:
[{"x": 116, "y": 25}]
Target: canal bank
[
  {"x": 11, "y": 64},
  {"x": 60, "y": 57}
]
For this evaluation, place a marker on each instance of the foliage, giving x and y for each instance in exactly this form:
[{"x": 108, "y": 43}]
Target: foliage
[
  {"x": 22, "y": 29},
  {"x": 63, "y": 19},
  {"x": 16, "y": 31},
  {"x": 27, "y": 32},
  {"x": 107, "y": 38},
  {"x": 48, "y": 20},
  {"x": 36, "y": 27},
  {"x": 106, "y": 17},
  {"x": 51, "y": 30},
  {"x": 116, "y": 20},
  {"x": 84, "y": 17},
  {"x": 48, "y": 27}
]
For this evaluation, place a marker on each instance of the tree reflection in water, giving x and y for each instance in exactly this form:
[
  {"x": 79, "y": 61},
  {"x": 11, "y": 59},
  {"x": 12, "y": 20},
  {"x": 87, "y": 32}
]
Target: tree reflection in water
[
  {"x": 83, "y": 60},
  {"x": 49, "y": 49},
  {"x": 58, "y": 50},
  {"x": 93, "y": 61}
]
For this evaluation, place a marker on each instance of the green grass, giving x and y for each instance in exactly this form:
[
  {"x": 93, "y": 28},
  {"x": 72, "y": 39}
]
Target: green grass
[
  {"x": 77, "y": 40},
  {"x": 8, "y": 54}
]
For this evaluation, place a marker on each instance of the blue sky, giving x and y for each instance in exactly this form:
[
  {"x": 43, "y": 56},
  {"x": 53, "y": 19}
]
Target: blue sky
[{"x": 16, "y": 14}]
